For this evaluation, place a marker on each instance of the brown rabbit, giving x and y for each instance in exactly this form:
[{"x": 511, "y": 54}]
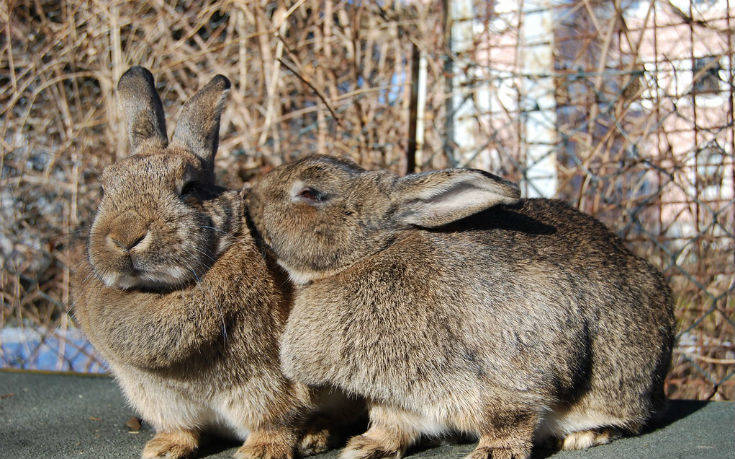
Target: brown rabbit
[
  {"x": 178, "y": 298},
  {"x": 453, "y": 305}
]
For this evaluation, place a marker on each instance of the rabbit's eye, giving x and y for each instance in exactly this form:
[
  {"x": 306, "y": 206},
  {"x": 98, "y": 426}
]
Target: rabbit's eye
[
  {"x": 311, "y": 195},
  {"x": 190, "y": 188}
]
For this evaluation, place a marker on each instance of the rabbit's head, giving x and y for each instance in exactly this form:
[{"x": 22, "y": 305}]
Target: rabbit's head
[
  {"x": 162, "y": 221},
  {"x": 320, "y": 214}
]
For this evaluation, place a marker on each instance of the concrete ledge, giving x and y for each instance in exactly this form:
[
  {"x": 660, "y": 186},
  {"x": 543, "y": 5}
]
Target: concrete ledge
[{"x": 52, "y": 416}]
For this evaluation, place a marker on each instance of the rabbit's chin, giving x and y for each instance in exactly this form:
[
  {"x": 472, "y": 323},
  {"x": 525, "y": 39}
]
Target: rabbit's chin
[
  {"x": 171, "y": 278},
  {"x": 305, "y": 276}
]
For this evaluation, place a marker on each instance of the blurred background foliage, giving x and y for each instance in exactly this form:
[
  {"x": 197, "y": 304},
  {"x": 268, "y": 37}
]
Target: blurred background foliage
[{"x": 623, "y": 108}]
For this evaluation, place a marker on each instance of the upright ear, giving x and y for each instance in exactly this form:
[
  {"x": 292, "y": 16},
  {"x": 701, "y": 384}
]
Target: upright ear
[
  {"x": 436, "y": 198},
  {"x": 142, "y": 108},
  {"x": 198, "y": 126}
]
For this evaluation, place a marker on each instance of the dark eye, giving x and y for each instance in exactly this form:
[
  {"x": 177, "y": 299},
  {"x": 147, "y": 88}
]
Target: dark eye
[
  {"x": 311, "y": 195},
  {"x": 190, "y": 188}
]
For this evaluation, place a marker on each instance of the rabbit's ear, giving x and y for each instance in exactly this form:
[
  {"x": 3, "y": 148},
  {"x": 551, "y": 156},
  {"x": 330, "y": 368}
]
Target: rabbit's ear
[
  {"x": 198, "y": 127},
  {"x": 142, "y": 107},
  {"x": 436, "y": 198}
]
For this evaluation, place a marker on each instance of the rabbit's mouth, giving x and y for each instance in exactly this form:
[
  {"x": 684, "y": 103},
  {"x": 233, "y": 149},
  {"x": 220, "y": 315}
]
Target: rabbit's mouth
[
  {"x": 149, "y": 268},
  {"x": 136, "y": 278}
]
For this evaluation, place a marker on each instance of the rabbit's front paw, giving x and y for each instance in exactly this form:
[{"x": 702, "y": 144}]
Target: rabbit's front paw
[
  {"x": 264, "y": 451},
  {"x": 484, "y": 452},
  {"x": 364, "y": 447},
  {"x": 178, "y": 444}
]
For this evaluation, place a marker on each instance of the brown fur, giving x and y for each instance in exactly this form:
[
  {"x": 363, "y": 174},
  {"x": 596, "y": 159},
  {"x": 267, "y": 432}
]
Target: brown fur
[
  {"x": 176, "y": 295},
  {"x": 528, "y": 319}
]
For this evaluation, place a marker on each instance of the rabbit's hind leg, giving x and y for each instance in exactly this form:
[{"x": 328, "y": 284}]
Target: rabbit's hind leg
[
  {"x": 392, "y": 431},
  {"x": 338, "y": 417},
  {"x": 508, "y": 434},
  {"x": 582, "y": 429},
  {"x": 588, "y": 438}
]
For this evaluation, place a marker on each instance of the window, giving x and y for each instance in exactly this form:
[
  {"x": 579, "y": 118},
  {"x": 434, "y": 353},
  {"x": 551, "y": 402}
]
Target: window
[{"x": 706, "y": 74}]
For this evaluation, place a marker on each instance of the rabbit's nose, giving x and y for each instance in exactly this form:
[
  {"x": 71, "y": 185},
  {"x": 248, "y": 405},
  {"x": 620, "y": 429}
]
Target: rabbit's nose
[
  {"x": 129, "y": 232},
  {"x": 129, "y": 241}
]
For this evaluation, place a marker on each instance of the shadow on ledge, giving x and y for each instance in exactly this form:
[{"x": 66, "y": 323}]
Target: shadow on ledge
[
  {"x": 676, "y": 410},
  {"x": 52, "y": 416}
]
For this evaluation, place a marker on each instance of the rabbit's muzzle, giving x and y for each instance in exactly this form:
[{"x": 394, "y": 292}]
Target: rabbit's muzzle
[
  {"x": 128, "y": 234},
  {"x": 122, "y": 251}
]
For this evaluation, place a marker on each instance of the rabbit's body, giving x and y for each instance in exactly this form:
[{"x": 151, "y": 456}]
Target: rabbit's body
[
  {"x": 400, "y": 327},
  {"x": 177, "y": 296},
  {"x": 526, "y": 320}
]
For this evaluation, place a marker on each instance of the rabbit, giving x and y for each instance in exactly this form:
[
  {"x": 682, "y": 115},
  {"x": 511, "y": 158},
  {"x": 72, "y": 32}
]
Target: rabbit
[
  {"x": 452, "y": 305},
  {"x": 176, "y": 295}
]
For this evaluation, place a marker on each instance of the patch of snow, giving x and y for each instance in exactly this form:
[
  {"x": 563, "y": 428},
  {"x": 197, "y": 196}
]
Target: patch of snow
[{"x": 41, "y": 349}]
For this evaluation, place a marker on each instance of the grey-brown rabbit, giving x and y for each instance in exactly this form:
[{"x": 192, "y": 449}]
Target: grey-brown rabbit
[
  {"x": 453, "y": 305},
  {"x": 178, "y": 298}
]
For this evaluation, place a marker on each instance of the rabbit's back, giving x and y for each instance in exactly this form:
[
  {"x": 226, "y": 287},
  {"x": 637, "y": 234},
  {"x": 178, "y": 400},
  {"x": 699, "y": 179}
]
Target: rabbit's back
[{"x": 577, "y": 263}]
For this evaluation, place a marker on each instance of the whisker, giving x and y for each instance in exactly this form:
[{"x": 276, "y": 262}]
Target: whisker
[
  {"x": 224, "y": 326},
  {"x": 195, "y": 275},
  {"x": 201, "y": 252}
]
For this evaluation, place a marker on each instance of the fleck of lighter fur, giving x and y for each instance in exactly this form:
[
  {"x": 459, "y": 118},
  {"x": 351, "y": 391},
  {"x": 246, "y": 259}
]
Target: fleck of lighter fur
[
  {"x": 110, "y": 279},
  {"x": 176, "y": 272}
]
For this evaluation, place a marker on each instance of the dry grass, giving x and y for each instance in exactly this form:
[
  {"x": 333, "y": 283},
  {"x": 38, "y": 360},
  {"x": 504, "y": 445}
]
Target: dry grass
[{"x": 330, "y": 76}]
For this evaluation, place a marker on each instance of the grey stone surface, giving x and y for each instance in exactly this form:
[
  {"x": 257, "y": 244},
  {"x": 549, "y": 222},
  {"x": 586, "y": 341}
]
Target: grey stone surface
[{"x": 68, "y": 416}]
